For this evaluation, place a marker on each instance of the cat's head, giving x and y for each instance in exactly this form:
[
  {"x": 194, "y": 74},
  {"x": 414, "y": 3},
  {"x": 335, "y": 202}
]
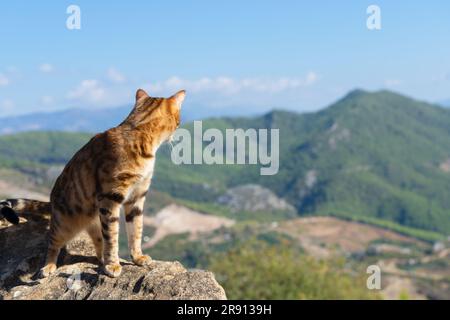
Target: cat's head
[{"x": 160, "y": 114}]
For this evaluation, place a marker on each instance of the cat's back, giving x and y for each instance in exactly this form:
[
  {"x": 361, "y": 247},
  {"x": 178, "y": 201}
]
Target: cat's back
[{"x": 102, "y": 150}]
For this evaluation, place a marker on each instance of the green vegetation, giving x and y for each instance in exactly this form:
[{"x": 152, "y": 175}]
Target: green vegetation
[
  {"x": 424, "y": 235},
  {"x": 271, "y": 272},
  {"x": 37, "y": 149},
  {"x": 251, "y": 263},
  {"x": 177, "y": 247},
  {"x": 432, "y": 266}
]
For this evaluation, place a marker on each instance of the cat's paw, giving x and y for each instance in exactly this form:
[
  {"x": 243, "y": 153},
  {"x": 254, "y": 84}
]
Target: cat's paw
[
  {"x": 142, "y": 260},
  {"x": 113, "y": 269},
  {"x": 47, "y": 270}
]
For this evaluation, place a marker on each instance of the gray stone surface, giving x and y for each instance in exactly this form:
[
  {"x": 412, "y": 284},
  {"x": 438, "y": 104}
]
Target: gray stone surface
[{"x": 22, "y": 252}]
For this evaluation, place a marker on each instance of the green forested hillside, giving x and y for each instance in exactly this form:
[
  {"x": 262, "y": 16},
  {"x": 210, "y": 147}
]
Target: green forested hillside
[
  {"x": 32, "y": 149},
  {"x": 378, "y": 156},
  {"x": 375, "y": 155}
]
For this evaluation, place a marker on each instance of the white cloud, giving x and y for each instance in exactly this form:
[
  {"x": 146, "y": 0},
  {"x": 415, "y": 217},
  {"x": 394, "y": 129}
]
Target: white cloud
[
  {"x": 88, "y": 90},
  {"x": 257, "y": 93},
  {"x": 115, "y": 75},
  {"x": 233, "y": 95},
  {"x": 228, "y": 85},
  {"x": 4, "y": 81},
  {"x": 46, "y": 68},
  {"x": 95, "y": 93}
]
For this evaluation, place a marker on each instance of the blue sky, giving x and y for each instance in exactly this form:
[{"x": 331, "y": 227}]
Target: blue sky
[{"x": 233, "y": 57}]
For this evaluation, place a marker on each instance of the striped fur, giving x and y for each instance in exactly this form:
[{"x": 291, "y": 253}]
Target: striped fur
[{"x": 113, "y": 170}]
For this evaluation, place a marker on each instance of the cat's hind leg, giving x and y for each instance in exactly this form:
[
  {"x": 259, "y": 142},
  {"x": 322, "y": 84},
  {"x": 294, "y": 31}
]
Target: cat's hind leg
[
  {"x": 95, "y": 233},
  {"x": 59, "y": 234},
  {"x": 109, "y": 210}
]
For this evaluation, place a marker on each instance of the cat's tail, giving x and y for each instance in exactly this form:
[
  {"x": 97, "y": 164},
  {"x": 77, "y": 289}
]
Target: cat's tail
[{"x": 12, "y": 208}]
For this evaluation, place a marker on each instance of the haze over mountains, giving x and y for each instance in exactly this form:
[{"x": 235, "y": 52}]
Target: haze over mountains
[
  {"x": 381, "y": 157},
  {"x": 98, "y": 120},
  {"x": 92, "y": 120},
  {"x": 445, "y": 103},
  {"x": 73, "y": 120}
]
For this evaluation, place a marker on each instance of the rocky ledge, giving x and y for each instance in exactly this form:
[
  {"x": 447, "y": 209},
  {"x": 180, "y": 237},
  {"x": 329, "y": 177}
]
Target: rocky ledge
[{"x": 22, "y": 252}]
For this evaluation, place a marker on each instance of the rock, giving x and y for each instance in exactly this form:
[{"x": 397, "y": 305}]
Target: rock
[
  {"x": 337, "y": 134},
  {"x": 253, "y": 197},
  {"x": 22, "y": 253}
]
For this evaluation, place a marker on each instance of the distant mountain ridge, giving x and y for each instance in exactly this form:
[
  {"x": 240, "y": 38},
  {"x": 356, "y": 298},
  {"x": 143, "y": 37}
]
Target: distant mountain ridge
[
  {"x": 91, "y": 120},
  {"x": 71, "y": 120}
]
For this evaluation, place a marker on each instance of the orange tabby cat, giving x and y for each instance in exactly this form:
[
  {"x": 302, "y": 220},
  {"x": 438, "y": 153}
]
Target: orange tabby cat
[{"x": 112, "y": 170}]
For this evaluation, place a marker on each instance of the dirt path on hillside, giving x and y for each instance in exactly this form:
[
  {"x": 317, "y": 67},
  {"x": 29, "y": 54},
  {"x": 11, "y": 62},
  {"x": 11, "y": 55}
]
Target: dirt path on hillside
[
  {"x": 175, "y": 219},
  {"x": 321, "y": 234}
]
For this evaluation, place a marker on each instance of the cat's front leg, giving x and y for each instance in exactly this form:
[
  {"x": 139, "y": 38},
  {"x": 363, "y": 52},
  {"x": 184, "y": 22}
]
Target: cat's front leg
[{"x": 134, "y": 221}]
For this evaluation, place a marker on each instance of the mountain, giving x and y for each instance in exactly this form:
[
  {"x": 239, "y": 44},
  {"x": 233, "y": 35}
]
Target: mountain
[
  {"x": 378, "y": 157},
  {"x": 92, "y": 120},
  {"x": 75, "y": 120}
]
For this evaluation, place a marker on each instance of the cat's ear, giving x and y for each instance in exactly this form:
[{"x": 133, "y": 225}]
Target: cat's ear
[
  {"x": 141, "y": 94},
  {"x": 178, "y": 98}
]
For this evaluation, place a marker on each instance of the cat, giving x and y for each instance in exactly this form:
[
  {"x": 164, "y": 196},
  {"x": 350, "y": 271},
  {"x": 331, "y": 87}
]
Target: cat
[{"x": 113, "y": 170}]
